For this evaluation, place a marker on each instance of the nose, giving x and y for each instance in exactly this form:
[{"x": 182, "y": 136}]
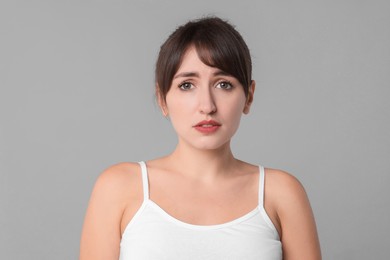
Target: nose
[{"x": 206, "y": 102}]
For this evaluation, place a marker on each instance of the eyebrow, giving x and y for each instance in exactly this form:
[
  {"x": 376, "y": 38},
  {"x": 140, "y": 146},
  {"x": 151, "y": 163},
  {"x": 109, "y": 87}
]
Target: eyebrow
[{"x": 196, "y": 75}]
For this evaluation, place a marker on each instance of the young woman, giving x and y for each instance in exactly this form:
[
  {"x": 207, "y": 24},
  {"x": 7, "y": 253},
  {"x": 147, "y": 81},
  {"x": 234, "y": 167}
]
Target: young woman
[{"x": 200, "y": 202}]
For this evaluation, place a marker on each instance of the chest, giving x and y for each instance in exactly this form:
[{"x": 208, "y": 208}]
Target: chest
[
  {"x": 200, "y": 204},
  {"x": 155, "y": 235}
]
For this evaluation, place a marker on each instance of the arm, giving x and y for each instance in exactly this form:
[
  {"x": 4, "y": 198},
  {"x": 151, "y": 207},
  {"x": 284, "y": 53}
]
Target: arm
[
  {"x": 101, "y": 233},
  {"x": 295, "y": 218}
]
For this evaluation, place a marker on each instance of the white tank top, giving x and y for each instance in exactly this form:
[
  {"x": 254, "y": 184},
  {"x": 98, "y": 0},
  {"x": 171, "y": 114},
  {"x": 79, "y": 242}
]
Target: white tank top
[{"x": 154, "y": 234}]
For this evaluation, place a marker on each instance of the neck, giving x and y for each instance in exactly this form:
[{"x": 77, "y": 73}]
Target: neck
[{"x": 203, "y": 164}]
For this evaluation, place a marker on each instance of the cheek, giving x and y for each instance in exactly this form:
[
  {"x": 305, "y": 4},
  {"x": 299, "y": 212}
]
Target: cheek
[
  {"x": 180, "y": 109},
  {"x": 231, "y": 112},
  {"x": 178, "y": 105},
  {"x": 233, "y": 107},
  {"x": 235, "y": 118}
]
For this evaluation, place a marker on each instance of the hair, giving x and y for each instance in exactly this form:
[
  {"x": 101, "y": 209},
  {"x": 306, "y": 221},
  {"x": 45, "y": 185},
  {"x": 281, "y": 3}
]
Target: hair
[{"x": 217, "y": 43}]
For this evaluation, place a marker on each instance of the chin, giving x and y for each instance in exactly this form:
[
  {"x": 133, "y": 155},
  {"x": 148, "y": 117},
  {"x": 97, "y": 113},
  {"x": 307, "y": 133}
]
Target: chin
[{"x": 210, "y": 145}]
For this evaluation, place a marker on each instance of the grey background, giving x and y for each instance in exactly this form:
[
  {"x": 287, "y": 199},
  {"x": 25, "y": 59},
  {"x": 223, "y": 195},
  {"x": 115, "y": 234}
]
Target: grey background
[{"x": 76, "y": 95}]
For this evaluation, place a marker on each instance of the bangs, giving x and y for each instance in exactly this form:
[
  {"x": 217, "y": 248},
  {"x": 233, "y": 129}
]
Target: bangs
[
  {"x": 217, "y": 44},
  {"x": 220, "y": 51}
]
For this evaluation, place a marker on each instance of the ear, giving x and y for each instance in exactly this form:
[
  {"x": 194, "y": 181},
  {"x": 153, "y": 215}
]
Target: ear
[
  {"x": 161, "y": 102},
  {"x": 249, "y": 99}
]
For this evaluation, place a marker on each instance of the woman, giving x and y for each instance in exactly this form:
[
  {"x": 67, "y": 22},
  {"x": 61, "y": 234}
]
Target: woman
[{"x": 199, "y": 202}]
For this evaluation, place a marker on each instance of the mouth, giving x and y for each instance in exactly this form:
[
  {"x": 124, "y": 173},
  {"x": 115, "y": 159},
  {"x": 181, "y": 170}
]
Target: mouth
[
  {"x": 207, "y": 127},
  {"x": 208, "y": 123}
]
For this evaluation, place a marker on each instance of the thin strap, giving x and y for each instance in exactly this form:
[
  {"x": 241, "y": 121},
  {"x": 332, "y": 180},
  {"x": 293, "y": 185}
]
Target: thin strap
[
  {"x": 261, "y": 186},
  {"x": 145, "y": 181}
]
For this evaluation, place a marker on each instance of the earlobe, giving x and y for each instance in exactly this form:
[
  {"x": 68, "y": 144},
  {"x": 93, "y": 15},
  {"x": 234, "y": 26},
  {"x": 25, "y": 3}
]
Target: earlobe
[
  {"x": 164, "y": 112},
  {"x": 249, "y": 100},
  {"x": 161, "y": 102}
]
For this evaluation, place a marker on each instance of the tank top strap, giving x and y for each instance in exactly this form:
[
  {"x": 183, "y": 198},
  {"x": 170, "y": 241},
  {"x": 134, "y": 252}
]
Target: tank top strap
[
  {"x": 261, "y": 186},
  {"x": 145, "y": 181}
]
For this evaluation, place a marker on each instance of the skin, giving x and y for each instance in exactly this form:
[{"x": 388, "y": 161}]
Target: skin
[{"x": 214, "y": 188}]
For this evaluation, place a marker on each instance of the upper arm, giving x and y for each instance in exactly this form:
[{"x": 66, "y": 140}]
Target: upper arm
[
  {"x": 102, "y": 225},
  {"x": 298, "y": 229}
]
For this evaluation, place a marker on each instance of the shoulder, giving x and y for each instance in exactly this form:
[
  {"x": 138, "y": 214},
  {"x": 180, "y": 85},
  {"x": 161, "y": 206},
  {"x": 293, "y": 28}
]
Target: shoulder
[
  {"x": 118, "y": 174},
  {"x": 282, "y": 183},
  {"x": 118, "y": 182},
  {"x": 114, "y": 190},
  {"x": 285, "y": 197},
  {"x": 293, "y": 215},
  {"x": 284, "y": 189}
]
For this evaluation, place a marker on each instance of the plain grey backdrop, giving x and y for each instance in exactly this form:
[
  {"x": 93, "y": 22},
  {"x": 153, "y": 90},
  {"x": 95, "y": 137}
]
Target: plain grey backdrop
[{"x": 77, "y": 95}]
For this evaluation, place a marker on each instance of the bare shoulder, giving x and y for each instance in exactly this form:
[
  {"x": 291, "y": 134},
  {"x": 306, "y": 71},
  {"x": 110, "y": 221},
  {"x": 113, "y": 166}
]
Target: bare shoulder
[
  {"x": 285, "y": 193},
  {"x": 290, "y": 209},
  {"x": 115, "y": 192},
  {"x": 283, "y": 184},
  {"x": 117, "y": 187},
  {"x": 117, "y": 178},
  {"x": 120, "y": 185}
]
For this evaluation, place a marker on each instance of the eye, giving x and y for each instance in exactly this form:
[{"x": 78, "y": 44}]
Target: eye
[
  {"x": 224, "y": 85},
  {"x": 186, "y": 86}
]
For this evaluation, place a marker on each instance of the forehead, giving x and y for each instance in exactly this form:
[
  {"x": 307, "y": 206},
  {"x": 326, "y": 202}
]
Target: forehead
[{"x": 191, "y": 62}]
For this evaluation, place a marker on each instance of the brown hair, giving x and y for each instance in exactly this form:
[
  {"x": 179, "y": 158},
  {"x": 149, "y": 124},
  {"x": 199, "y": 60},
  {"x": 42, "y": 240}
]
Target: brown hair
[{"x": 218, "y": 45}]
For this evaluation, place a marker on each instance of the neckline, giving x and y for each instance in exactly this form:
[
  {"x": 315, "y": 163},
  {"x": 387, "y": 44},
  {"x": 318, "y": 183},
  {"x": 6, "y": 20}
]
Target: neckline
[
  {"x": 203, "y": 227},
  {"x": 145, "y": 183}
]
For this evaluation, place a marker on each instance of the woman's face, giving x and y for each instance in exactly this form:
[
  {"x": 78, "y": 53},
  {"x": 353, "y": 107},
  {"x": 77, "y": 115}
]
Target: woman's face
[{"x": 205, "y": 104}]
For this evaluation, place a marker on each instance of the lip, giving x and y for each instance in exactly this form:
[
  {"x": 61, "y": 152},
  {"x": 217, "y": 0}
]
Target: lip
[{"x": 207, "y": 126}]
